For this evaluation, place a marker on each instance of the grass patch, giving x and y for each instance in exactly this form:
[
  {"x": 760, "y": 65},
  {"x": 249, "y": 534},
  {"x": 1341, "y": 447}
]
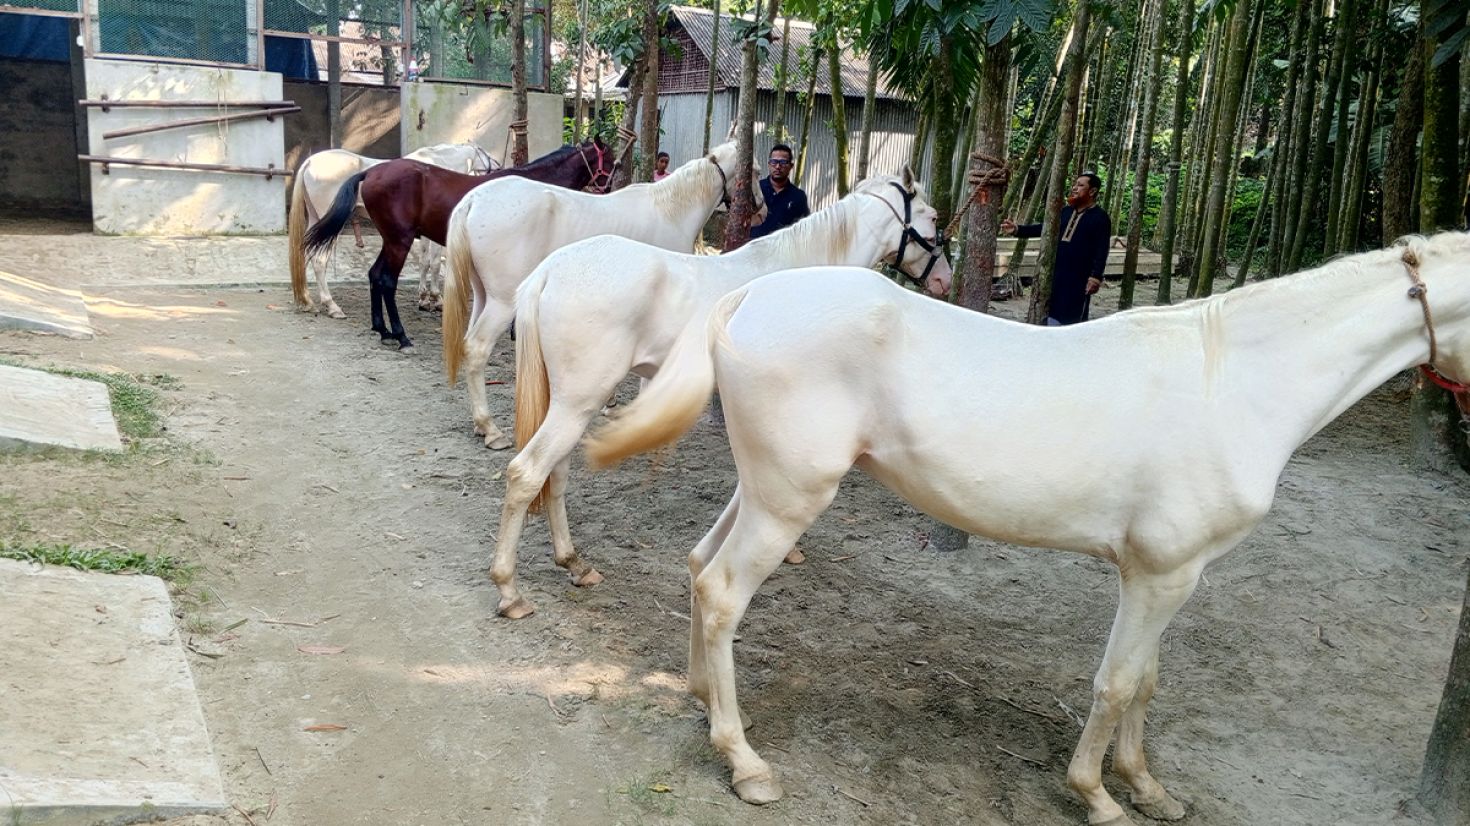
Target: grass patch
[
  {"x": 163, "y": 566},
  {"x": 134, "y": 401}
]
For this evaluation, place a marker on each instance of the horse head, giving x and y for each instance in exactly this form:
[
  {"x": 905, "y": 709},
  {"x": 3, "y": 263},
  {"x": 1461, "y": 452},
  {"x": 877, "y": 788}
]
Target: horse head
[
  {"x": 919, "y": 248},
  {"x": 598, "y": 157},
  {"x": 724, "y": 158}
]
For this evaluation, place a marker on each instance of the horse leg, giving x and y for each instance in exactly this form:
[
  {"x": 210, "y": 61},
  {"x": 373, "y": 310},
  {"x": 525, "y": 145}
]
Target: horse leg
[
  {"x": 1146, "y": 603},
  {"x": 758, "y": 541},
  {"x": 699, "y": 559},
  {"x": 564, "y": 553},
  {"x": 429, "y": 272},
  {"x": 319, "y": 265},
  {"x": 479, "y": 341},
  {"x": 377, "y": 298},
  {"x": 524, "y": 478},
  {"x": 1129, "y": 762},
  {"x": 391, "y": 261},
  {"x": 356, "y": 229}
]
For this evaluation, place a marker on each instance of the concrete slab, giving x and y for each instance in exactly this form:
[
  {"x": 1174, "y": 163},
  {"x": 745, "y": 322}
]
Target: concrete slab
[
  {"x": 100, "y": 719},
  {"x": 39, "y": 409},
  {"x": 30, "y": 305}
]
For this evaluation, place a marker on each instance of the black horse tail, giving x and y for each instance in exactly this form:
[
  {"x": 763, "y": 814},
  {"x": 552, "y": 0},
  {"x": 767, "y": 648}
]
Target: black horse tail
[{"x": 324, "y": 232}]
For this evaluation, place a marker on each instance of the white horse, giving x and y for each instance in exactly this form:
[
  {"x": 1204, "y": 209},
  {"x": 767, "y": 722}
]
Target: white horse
[
  {"x": 505, "y": 227},
  {"x": 597, "y": 309},
  {"x": 1152, "y": 439},
  {"x": 316, "y": 184}
]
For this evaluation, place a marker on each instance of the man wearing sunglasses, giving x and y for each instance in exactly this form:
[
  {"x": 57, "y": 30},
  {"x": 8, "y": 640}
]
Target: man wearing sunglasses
[{"x": 785, "y": 202}]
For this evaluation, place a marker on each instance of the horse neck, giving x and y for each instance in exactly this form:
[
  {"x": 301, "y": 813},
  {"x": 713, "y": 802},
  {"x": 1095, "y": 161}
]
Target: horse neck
[
  {"x": 685, "y": 199},
  {"x": 1312, "y": 345},
  {"x": 838, "y": 236}
]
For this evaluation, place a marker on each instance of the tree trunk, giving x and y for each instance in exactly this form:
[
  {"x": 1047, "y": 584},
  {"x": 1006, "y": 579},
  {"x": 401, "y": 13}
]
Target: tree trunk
[
  {"x": 1169, "y": 208},
  {"x": 870, "y": 101},
  {"x": 1225, "y": 151},
  {"x": 1347, "y": 27},
  {"x": 648, "y": 120},
  {"x": 1267, "y": 193},
  {"x": 1303, "y": 130},
  {"x": 1401, "y": 165},
  {"x": 579, "y": 109},
  {"x": 1152, "y": 80},
  {"x": 623, "y": 172},
  {"x": 839, "y": 113},
  {"x": 737, "y": 228},
  {"x": 783, "y": 80},
  {"x": 1203, "y": 165},
  {"x": 1444, "y": 785},
  {"x": 1438, "y": 430},
  {"x": 1061, "y": 163},
  {"x": 799, "y": 174},
  {"x": 709, "y": 94},
  {"x": 1362, "y": 136},
  {"x": 519, "y": 152},
  {"x": 1285, "y": 145},
  {"x": 941, "y": 196},
  {"x": 1308, "y": 218}
]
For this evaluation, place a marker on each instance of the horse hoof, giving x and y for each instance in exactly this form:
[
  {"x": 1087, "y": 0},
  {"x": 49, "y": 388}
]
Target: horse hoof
[
  {"x": 592, "y": 577},
  {"x": 335, "y": 313},
  {"x": 500, "y": 442},
  {"x": 794, "y": 557},
  {"x": 759, "y": 790},
  {"x": 1121, "y": 820},
  {"x": 519, "y": 608},
  {"x": 1165, "y": 808}
]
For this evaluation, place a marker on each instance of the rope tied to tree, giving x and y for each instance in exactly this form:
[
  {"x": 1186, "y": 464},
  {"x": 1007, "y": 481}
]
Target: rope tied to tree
[{"x": 981, "y": 181}]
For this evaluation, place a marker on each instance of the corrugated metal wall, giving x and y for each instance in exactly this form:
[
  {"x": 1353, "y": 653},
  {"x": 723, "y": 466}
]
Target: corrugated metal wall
[{"x": 683, "y": 134}]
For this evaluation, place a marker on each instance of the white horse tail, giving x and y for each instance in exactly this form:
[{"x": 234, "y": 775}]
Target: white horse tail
[
  {"x": 678, "y": 393},
  {"x": 296, "y": 237},
  {"x": 533, "y": 386},
  {"x": 457, "y": 290}
]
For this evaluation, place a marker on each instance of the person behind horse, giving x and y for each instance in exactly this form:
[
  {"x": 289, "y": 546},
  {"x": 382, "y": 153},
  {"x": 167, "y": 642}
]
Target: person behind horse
[
  {"x": 1082, "y": 251},
  {"x": 660, "y": 167},
  {"x": 785, "y": 202}
]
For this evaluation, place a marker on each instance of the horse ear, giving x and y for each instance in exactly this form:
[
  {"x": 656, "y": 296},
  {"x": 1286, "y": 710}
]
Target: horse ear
[{"x": 908, "y": 178}]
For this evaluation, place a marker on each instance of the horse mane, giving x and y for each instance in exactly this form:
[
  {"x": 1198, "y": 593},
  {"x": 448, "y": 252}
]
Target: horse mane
[{"x": 670, "y": 194}]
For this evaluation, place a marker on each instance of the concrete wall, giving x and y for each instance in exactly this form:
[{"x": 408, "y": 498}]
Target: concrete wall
[
  {"x": 440, "y": 112},
  {"x": 369, "y": 121},
  {"x": 147, "y": 201},
  {"x": 39, "y": 170}
]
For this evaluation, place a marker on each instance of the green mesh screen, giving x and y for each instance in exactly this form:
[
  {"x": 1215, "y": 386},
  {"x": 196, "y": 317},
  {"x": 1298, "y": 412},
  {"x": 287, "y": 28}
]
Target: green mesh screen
[
  {"x": 45, "y": 5},
  {"x": 212, "y": 30},
  {"x": 364, "y": 18},
  {"x": 449, "y": 45}
]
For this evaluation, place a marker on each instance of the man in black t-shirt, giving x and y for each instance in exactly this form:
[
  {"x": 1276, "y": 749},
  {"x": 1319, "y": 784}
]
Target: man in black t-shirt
[{"x": 785, "y": 202}]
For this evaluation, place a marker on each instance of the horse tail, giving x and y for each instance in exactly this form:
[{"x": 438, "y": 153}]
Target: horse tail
[
  {"x": 675, "y": 397},
  {"x": 324, "y": 232},
  {"x": 295, "y": 235},
  {"x": 533, "y": 386},
  {"x": 458, "y": 285}
]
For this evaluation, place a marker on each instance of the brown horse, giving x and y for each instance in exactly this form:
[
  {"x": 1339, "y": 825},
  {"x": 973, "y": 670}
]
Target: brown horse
[{"x": 407, "y": 200}]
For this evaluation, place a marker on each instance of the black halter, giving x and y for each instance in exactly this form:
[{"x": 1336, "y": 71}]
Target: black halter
[
  {"x": 938, "y": 248},
  {"x": 724, "y": 182}
]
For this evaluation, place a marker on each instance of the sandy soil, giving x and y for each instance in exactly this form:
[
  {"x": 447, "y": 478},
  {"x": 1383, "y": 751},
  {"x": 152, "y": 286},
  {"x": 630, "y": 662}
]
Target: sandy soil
[{"x": 321, "y": 479}]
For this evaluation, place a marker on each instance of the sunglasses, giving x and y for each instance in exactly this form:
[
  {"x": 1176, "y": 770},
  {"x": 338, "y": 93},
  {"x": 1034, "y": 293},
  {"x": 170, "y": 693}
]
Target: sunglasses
[{"x": 779, "y": 162}]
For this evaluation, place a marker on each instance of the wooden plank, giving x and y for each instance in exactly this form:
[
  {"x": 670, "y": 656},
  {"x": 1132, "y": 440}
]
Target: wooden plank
[
  {"x": 269, "y": 172},
  {"x": 179, "y": 124}
]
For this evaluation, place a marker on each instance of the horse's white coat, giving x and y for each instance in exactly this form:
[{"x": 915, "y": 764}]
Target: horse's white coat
[
  {"x": 597, "y": 309},
  {"x": 504, "y": 228},
  {"x": 1153, "y": 439}
]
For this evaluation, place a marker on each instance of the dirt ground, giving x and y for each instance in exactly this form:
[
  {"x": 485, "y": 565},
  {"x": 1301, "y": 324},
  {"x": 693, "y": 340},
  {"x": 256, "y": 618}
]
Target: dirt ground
[{"x": 320, "y": 479}]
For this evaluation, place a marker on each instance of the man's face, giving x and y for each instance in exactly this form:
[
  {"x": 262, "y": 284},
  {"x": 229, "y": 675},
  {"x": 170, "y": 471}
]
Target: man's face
[
  {"x": 1082, "y": 193},
  {"x": 780, "y": 166}
]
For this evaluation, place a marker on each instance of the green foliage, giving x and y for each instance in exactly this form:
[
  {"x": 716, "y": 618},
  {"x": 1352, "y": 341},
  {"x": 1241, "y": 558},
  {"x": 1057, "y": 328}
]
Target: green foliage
[{"x": 93, "y": 559}]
